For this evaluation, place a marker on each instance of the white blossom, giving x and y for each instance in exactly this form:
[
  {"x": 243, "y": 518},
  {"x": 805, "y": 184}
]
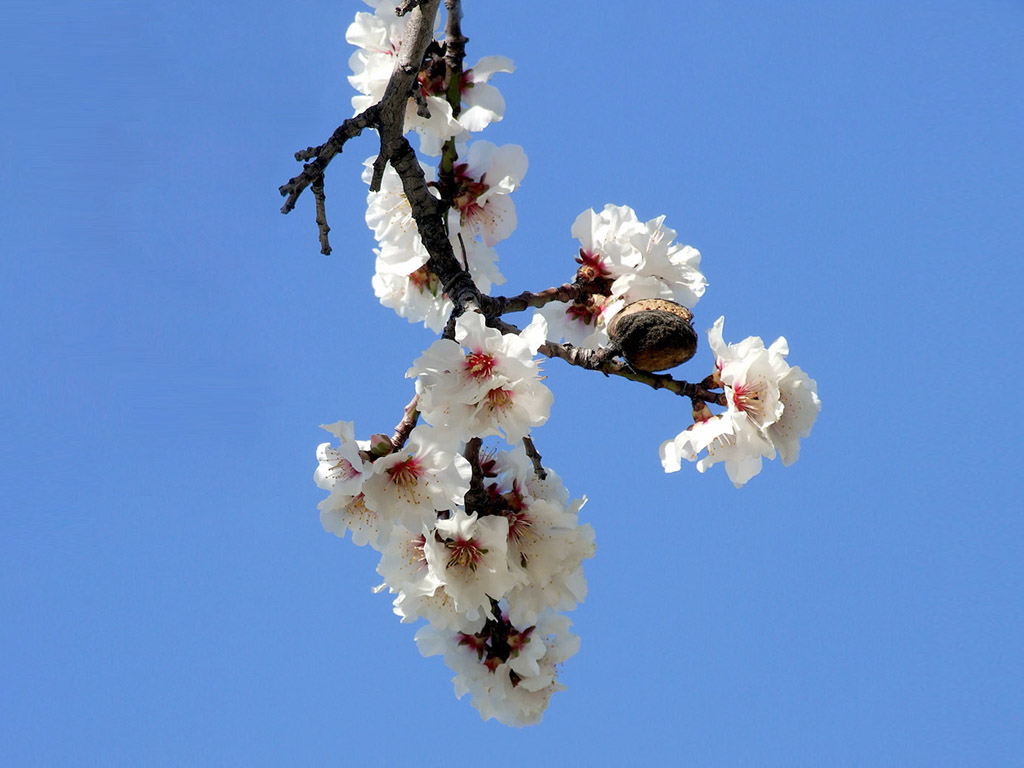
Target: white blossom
[
  {"x": 420, "y": 594},
  {"x": 666, "y": 268},
  {"x": 482, "y": 103},
  {"x": 729, "y": 437},
  {"x": 484, "y": 381},
  {"x": 340, "y": 468},
  {"x": 547, "y": 547},
  {"x": 417, "y": 297},
  {"x": 339, "y": 514},
  {"x": 582, "y": 323},
  {"x": 468, "y": 555},
  {"x": 771, "y": 405},
  {"x": 410, "y": 485},
  {"x": 638, "y": 261},
  {"x": 517, "y": 469},
  {"x": 606, "y": 240},
  {"x": 402, "y": 281},
  {"x": 342, "y": 471},
  {"x": 546, "y": 542},
  {"x": 378, "y": 38},
  {"x": 486, "y": 176},
  {"x": 514, "y": 689}
]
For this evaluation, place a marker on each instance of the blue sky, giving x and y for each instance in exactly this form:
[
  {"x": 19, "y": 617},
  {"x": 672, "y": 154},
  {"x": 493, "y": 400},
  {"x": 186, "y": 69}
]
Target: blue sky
[{"x": 852, "y": 175}]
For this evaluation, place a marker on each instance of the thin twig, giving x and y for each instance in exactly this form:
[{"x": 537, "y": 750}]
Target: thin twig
[
  {"x": 449, "y": 327},
  {"x": 323, "y": 154},
  {"x": 462, "y": 246},
  {"x": 476, "y": 498},
  {"x": 598, "y": 360},
  {"x": 405, "y": 6},
  {"x": 409, "y": 418},
  {"x": 601, "y": 360},
  {"x": 387, "y": 116},
  {"x": 321, "y": 214},
  {"x": 454, "y": 55},
  {"x": 567, "y": 292},
  {"x": 531, "y": 451}
]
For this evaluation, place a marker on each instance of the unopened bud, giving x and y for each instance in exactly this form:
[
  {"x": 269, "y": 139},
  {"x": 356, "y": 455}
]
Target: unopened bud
[{"x": 380, "y": 445}]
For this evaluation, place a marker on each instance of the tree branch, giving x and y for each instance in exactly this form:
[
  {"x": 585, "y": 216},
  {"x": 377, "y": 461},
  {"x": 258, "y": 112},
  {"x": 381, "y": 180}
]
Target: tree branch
[
  {"x": 567, "y": 292},
  {"x": 323, "y": 154},
  {"x": 599, "y": 360},
  {"x": 454, "y": 54},
  {"x": 426, "y": 210},
  {"x": 531, "y": 452},
  {"x": 476, "y": 498},
  {"x": 405, "y": 6},
  {"x": 419, "y": 31},
  {"x": 388, "y": 116},
  {"x": 321, "y": 215},
  {"x": 406, "y": 425}
]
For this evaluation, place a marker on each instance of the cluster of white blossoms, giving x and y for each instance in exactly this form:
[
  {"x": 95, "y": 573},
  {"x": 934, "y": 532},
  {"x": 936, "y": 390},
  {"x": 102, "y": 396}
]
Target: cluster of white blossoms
[
  {"x": 627, "y": 260},
  {"x": 491, "y": 582},
  {"x": 479, "y": 540},
  {"x": 771, "y": 405},
  {"x": 378, "y": 39},
  {"x": 482, "y": 214},
  {"x": 485, "y": 382}
]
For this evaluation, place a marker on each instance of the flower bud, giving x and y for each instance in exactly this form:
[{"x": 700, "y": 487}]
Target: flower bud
[{"x": 380, "y": 445}]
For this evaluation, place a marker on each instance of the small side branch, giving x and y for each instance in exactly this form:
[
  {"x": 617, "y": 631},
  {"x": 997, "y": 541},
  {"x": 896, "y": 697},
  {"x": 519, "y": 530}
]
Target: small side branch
[
  {"x": 601, "y": 360},
  {"x": 321, "y": 215},
  {"x": 455, "y": 53},
  {"x": 405, "y": 6},
  {"x": 323, "y": 154},
  {"x": 406, "y": 425},
  {"x": 567, "y": 292},
  {"x": 476, "y": 497},
  {"x": 598, "y": 360},
  {"x": 387, "y": 117},
  {"x": 531, "y": 452}
]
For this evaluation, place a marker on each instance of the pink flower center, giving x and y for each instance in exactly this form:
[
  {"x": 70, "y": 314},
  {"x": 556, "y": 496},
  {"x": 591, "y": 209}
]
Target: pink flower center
[
  {"x": 477, "y": 643},
  {"x": 344, "y": 470},
  {"x": 417, "y": 552},
  {"x": 405, "y": 473},
  {"x": 464, "y": 552},
  {"x": 467, "y": 191},
  {"x": 746, "y": 398},
  {"x": 479, "y": 365},
  {"x": 591, "y": 267},
  {"x": 586, "y": 312}
]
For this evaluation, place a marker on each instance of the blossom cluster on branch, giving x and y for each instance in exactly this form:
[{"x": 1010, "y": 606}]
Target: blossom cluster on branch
[{"x": 476, "y": 536}]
